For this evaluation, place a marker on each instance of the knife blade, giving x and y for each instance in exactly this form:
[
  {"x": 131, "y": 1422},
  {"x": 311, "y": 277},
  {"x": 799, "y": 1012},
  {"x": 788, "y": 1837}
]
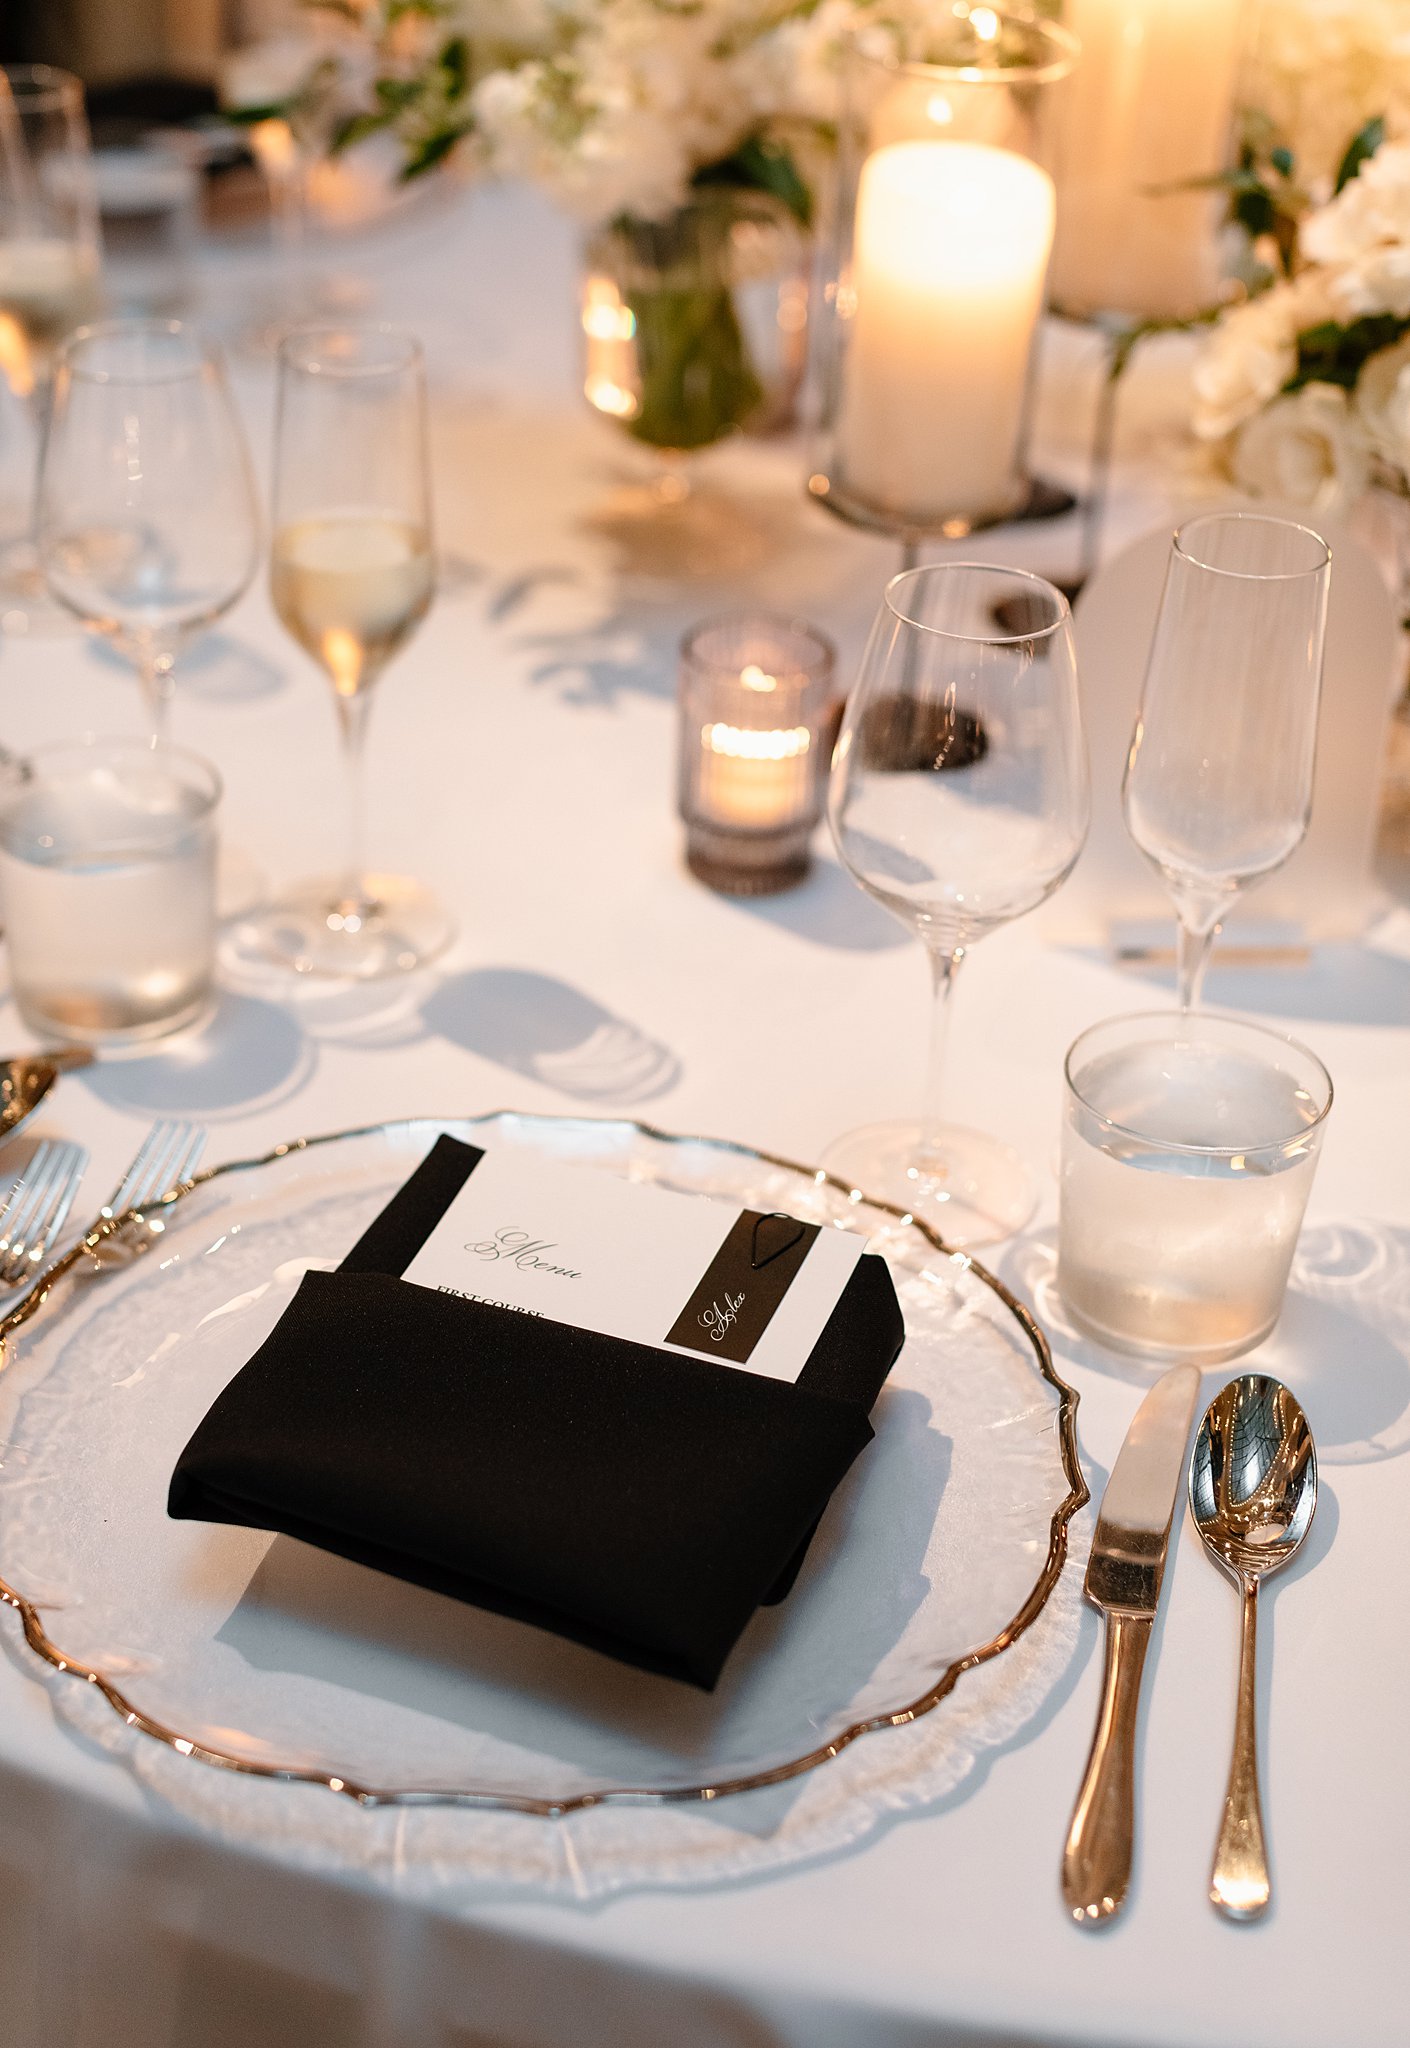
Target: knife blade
[{"x": 1124, "y": 1575}]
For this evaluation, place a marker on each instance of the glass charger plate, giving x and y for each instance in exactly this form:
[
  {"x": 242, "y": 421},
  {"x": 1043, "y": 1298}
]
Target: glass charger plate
[{"x": 473, "y": 1750}]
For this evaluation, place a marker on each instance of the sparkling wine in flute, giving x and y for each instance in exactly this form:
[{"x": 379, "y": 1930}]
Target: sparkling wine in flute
[
  {"x": 48, "y": 286},
  {"x": 351, "y": 588}
]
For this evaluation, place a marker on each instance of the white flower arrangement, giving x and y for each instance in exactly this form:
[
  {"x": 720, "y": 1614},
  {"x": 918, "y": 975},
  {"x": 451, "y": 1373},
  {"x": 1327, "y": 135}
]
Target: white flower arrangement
[
  {"x": 1318, "y": 70},
  {"x": 1303, "y": 392},
  {"x": 615, "y": 107}
]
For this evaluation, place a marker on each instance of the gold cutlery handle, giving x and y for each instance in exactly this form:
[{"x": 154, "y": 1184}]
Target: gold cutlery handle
[
  {"x": 1096, "y": 1865},
  {"x": 1239, "y": 1884}
]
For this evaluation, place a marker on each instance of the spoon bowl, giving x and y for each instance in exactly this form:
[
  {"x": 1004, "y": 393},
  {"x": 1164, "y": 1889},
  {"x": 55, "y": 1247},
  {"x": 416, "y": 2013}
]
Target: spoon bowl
[
  {"x": 25, "y": 1082},
  {"x": 1253, "y": 1492}
]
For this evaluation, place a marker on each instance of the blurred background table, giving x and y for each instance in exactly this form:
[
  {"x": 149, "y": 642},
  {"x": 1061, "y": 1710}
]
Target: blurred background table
[{"x": 522, "y": 759}]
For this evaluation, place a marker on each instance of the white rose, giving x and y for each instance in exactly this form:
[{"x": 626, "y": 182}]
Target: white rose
[
  {"x": 1307, "y": 449},
  {"x": 1362, "y": 237},
  {"x": 1249, "y": 357},
  {"x": 1382, "y": 404}
]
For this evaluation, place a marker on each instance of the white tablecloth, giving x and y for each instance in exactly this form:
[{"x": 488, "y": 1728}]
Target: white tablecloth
[{"x": 522, "y": 755}]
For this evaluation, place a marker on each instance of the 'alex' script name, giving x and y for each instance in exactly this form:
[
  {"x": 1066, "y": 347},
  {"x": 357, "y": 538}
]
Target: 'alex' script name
[
  {"x": 718, "y": 1321},
  {"x": 522, "y": 1250}
]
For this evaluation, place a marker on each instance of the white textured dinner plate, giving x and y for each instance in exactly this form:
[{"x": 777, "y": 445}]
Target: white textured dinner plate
[{"x": 930, "y": 1619}]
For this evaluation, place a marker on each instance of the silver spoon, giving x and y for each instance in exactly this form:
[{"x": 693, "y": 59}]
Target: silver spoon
[
  {"x": 1253, "y": 1489},
  {"x": 25, "y": 1082}
]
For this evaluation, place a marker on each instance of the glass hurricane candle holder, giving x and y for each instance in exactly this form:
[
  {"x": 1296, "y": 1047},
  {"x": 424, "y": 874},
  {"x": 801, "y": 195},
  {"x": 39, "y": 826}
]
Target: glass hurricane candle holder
[
  {"x": 1144, "y": 133},
  {"x": 759, "y": 715},
  {"x": 936, "y": 276}
]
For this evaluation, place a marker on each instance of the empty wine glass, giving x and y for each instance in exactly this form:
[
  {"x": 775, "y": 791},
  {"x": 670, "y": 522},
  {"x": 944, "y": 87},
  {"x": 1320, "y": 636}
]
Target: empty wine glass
[
  {"x": 49, "y": 281},
  {"x": 1218, "y": 786},
  {"x": 148, "y": 528},
  {"x": 352, "y": 573},
  {"x": 958, "y": 799}
]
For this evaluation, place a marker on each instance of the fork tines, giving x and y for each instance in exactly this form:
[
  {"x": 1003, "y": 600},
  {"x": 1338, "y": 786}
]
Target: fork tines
[
  {"x": 37, "y": 1206},
  {"x": 168, "y": 1155}
]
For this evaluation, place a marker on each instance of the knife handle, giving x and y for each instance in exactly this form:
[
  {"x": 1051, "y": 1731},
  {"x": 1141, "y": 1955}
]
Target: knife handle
[{"x": 1096, "y": 1865}]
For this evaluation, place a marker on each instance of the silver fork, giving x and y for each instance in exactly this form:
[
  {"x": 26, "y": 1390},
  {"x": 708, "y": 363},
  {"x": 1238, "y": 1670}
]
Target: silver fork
[
  {"x": 168, "y": 1155},
  {"x": 36, "y": 1207}
]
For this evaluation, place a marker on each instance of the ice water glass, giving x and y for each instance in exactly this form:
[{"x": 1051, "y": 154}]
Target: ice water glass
[
  {"x": 107, "y": 888},
  {"x": 1188, "y": 1152},
  {"x": 1218, "y": 787}
]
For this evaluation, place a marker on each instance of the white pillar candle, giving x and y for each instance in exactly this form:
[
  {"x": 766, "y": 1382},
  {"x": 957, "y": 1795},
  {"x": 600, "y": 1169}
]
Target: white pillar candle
[
  {"x": 1150, "y": 104},
  {"x": 949, "y": 256}
]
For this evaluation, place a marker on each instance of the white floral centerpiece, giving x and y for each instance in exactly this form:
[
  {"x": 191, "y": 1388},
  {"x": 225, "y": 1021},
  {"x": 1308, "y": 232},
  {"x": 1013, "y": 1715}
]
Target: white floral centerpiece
[
  {"x": 686, "y": 135},
  {"x": 1303, "y": 392}
]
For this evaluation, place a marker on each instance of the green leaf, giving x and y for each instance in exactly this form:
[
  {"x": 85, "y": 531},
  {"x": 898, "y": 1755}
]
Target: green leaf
[
  {"x": 1334, "y": 354},
  {"x": 397, "y": 94},
  {"x": 455, "y": 67},
  {"x": 759, "y": 165},
  {"x": 356, "y": 128},
  {"x": 1255, "y": 211},
  {"x": 433, "y": 150},
  {"x": 1361, "y": 148},
  {"x": 250, "y": 117}
]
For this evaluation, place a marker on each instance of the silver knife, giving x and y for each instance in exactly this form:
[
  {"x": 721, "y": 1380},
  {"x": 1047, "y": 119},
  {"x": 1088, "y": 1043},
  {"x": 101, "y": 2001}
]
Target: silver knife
[{"x": 1123, "y": 1579}]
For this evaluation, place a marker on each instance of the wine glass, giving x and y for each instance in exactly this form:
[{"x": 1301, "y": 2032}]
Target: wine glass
[
  {"x": 959, "y": 800},
  {"x": 352, "y": 575},
  {"x": 1218, "y": 785},
  {"x": 49, "y": 282},
  {"x": 148, "y": 527}
]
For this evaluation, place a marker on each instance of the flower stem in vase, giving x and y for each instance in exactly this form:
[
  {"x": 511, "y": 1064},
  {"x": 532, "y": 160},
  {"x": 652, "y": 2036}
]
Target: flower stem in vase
[{"x": 697, "y": 382}]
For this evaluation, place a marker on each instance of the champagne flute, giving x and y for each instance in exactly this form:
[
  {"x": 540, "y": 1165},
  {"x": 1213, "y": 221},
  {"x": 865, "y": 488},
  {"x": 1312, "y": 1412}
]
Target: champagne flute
[
  {"x": 1218, "y": 785},
  {"x": 49, "y": 280},
  {"x": 148, "y": 527},
  {"x": 959, "y": 800},
  {"x": 352, "y": 575}
]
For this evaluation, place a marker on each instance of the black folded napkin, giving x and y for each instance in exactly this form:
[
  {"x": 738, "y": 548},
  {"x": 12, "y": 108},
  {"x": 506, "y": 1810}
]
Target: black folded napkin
[{"x": 638, "y": 1500}]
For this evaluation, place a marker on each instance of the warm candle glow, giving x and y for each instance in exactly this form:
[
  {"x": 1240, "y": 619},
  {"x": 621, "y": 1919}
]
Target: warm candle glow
[
  {"x": 609, "y": 327},
  {"x": 1151, "y": 105},
  {"x": 949, "y": 259}
]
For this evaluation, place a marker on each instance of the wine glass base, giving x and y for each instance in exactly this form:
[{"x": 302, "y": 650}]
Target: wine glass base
[
  {"x": 970, "y": 1188},
  {"x": 316, "y": 929}
]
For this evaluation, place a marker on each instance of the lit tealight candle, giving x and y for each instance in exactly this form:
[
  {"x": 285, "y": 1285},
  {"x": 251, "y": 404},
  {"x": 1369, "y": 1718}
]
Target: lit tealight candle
[
  {"x": 949, "y": 259},
  {"x": 756, "y": 716},
  {"x": 755, "y": 780}
]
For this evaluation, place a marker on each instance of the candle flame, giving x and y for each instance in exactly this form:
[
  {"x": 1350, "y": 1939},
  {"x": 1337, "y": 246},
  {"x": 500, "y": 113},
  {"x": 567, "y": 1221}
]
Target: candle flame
[
  {"x": 342, "y": 657},
  {"x": 743, "y": 745},
  {"x": 15, "y": 365},
  {"x": 273, "y": 145},
  {"x": 755, "y": 678},
  {"x": 610, "y": 397},
  {"x": 985, "y": 23},
  {"x": 605, "y": 318}
]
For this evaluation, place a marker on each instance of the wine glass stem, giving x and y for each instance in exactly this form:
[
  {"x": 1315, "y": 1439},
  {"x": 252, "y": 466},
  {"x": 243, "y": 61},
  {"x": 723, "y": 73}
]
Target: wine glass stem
[
  {"x": 1193, "y": 958},
  {"x": 154, "y": 672},
  {"x": 944, "y": 966},
  {"x": 352, "y": 729}
]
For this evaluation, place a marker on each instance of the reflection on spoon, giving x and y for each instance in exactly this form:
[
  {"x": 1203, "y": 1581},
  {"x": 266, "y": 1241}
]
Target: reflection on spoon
[
  {"x": 26, "y": 1081},
  {"x": 1253, "y": 1489}
]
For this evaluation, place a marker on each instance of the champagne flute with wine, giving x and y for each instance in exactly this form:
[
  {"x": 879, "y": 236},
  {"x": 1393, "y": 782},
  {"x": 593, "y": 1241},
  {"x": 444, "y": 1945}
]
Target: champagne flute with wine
[
  {"x": 352, "y": 575},
  {"x": 49, "y": 283}
]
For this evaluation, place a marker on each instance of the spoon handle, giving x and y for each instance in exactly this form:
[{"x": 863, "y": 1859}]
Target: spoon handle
[
  {"x": 1239, "y": 1884},
  {"x": 1096, "y": 1865}
]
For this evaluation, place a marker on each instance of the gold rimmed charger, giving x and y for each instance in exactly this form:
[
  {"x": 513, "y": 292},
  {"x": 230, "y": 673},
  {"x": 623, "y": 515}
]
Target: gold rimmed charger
[{"x": 106, "y": 1374}]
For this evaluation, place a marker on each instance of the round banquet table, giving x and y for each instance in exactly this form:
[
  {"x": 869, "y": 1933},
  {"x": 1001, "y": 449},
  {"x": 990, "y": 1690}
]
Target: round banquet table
[{"x": 522, "y": 760}]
